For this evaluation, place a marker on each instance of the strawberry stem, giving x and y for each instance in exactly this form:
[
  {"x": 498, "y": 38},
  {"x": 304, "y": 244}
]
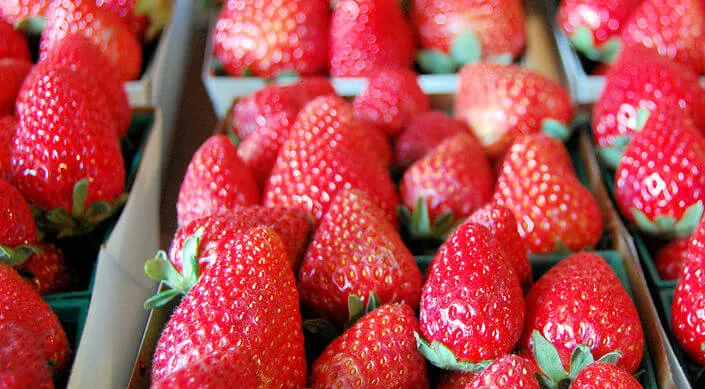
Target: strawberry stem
[
  {"x": 441, "y": 356},
  {"x": 18, "y": 255}
]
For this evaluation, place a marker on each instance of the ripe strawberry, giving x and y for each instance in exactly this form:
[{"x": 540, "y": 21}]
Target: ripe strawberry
[
  {"x": 216, "y": 180},
  {"x": 12, "y": 43},
  {"x": 18, "y": 230},
  {"x": 267, "y": 39},
  {"x": 450, "y": 182},
  {"x": 671, "y": 258},
  {"x": 593, "y": 26},
  {"x": 424, "y": 132},
  {"x": 125, "y": 9},
  {"x": 354, "y": 252},
  {"x": 509, "y": 371},
  {"x": 670, "y": 28},
  {"x": 658, "y": 183},
  {"x": 12, "y": 74},
  {"x": 16, "y": 11},
  {"x": 378, "y": 351},
  {"x": 502, "y": 224},
  {"x": 22, "y": 361},
  {"x": 462, "y": 31},
  {"x": 104, "y": 29},
  {"x": 22, "y": 308},
  {"x": 218, "y": 370},
  {"x": 252, "y": 277},
  {"x": 471, "y": 305},
  {"x": 503, "y": 102},
  {"x": 47, "y": 271},
  {"x": 689, "y": 300},
  {"x": 327, "y": 151},
  {"x": 580, "y": 301},
  {"x": 8, "y": 128},
  {"x": 368, "y": 36},
  {"x": 379, "y": 143},
  {"x": 604, "y": 375},
  {"x": 455, "y": 379}
]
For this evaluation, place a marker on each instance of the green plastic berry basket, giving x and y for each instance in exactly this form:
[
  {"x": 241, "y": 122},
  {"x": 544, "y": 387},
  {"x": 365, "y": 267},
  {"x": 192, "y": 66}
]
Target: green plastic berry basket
[{"x": 696, "y": 373}]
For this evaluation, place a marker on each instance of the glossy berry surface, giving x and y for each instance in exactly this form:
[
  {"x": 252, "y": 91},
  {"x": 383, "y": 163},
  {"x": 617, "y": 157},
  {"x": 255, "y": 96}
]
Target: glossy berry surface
[{"x": 424, "y": 132}]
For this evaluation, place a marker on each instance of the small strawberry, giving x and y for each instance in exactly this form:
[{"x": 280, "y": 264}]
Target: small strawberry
[
  {"x": 246, "y": 301},
  {"x": 354, "y": 252},
  {"x": 267, "y": 39},
  {"x": 12, "y": 43},
  {"x": 23, "y": 363},
  {"x": 46, "y": 271},
  {"x": 503, "y": 102},
  {"x": 216, "y": 180},
  {"x": 368, "y": 36},
  {"x": 580, "y": 301},
  {"x": 472, "y": 307},
  {"x": 552, "y": 208},
  {"x": 8, "y": 128},
  {"x": 604, "y": 375},
  {"x": 390, "y": 100},
  {"x": 19, "y": 232},
  {"x": 457, "y": 32},
  {"x": 378, "y": 351},
  {"x": 658, "y": 183},
  {"x": 446, "y": 185},
  {"x": 671, "y": 258},
  {"x": 424, "y": 132},
  {"x": 218, "y": 370},
  {"x": 12, "y": 74},
  {"x": 509, "y": 371}
]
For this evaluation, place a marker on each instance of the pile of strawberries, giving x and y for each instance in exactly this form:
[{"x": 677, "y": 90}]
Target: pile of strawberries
[{"x": 362, "y": 37}]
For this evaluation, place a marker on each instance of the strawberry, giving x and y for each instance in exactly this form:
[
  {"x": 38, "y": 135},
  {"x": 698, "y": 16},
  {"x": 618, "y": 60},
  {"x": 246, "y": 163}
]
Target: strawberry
[
  {"x": 217, "y": 370},
  {"x": 354, "y": 252},
  {"x": 503, "y": 102},
  {"x": 216, "y": 180},
  {"x": 46, "y": 271},
  {"x": 501, "y": 222},
  {"x": 22, "y": 361},
  {"x": 18, "y": 232},
  {"x": 8, "y": 128},
  {"x": 640, "y": 82},
  {"x": 604, "y": 375},
  {"x": 125, "y": 9},
  {"x": 658, "y": 183},
  {"x": 12, "y": 43},
  {"x": 472, "y": 306},
  {"x": 327, "y": 151},
  {"x": 670, "y": 28},
  {"x": 247, "y": 301},
  {"x": 448, "y": 184},
  {"x": 104, "y": 29},
  {"x": 424, "y": 132},
  {"x": 368, "y": 36},
  {"x": 670, "y": 259},
  {"x": 81, "y": 178},
  {"x": 593, "y": 26},
  {"x": 689, "y": 300},
  {"x": 455, "y": 379},
  {"x": 390, "y": 100},
  {"x": 267, "y": 39},
  {"x": 509, "y": 371},
  {"x": 16, "y": 11},
  {"x": 12, "y": 74},
  {"x": 378, "y": 351},
  {"x": 457, "y": 32},
  {"x": 380, "y": 144},
  {"x": 580, "y": 301},
  {"x": 22, "y": 308}
]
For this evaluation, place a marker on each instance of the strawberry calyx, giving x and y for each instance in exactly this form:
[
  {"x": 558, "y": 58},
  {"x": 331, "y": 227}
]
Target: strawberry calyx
[
  {"x": 443, "y": 357},
  {"x": 15, "y": 256},
  {"x": 612, "y": 155},
  {"x": 436, "y": 62},
  {"x": 584, "y": 41},
  {"x": 555, "y": 129},
  {"x": 668, "y": 226},
  {"x": 418, "y": 223},
  {"x": 357, "y": 308},
  {"x": 466, "y": 48},
  {"x": 34, "y": 26}
]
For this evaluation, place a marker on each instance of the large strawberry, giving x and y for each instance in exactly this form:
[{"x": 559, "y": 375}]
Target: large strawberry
[
  {"x": 327, "y": 151},
  {"x": 18, "y": 232},
  {"x": 503, "y": 102},
  {"x": 457, "y": 32},
  {"x": 16, "y": 11},
  {"x": 472, "y": 306},
  {"x": 246, "y": 301},
  {"x": 424, "y": 132},
  {"x": 23, "y": 363},
  {"x": 674, "y": 28},
  {"x": 12, "y": 43},
  {"x": 12, "y": 73},
  {"x": 659, "y": 183},
  {"x": 580, "y": 301},
  {"x": 46, "y": 271},
  {"x": 378, "y": 351},
  {"x": 8, "y": 128},
  {"x": 267, "y": 39},
  {"x": 670, "y": 259},
  {"x": 354, "y": 252},
  {"x": 367, "y": 36},
  {"x": 216, "y": 180}
]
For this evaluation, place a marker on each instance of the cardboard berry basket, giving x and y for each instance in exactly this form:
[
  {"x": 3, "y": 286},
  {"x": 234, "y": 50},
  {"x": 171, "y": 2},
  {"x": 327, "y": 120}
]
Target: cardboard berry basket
[{"x": 223, "y": 88}]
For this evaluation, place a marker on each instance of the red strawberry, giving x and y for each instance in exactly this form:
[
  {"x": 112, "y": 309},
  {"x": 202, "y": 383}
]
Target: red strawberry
[
  {"x": 368, "y": 36},
  {"x": 354, "y": 252},
  {"x": 380, "y": 144},
  {"x": 327, "y": 151},
  {"x": 267, "y": 39},
  {"x": 22, "y": 308},
  {"x": 378, "y": 351},
  {"x": 12, "y": 74},
  {"x": 501, "y": 222},
  {"x": 455, "y": 379},
  {"x": 18, "y": 230},
  {"x": 16, "y": 11},
  {"x": 218, "y": 370},
  {"x": 125, "y": 9},
  {"x": 580, "y": 301},
  {"x": 12, "y": 43},
  {"x": 47, "y": 271},
  {"x": 671, "y": 258},
  {"x": 451, "y": 181},
  {"x": 593, "y": 26},
  {"x": 509, "y": 371},
  {"x": 604, "y": 375},
  {"x": 462, "y": 31},
  {"x": 503, "y": 102},
  {"x": 390, "y": 100},
  {"x": 659, "y": 183},
  {"x": 8, "y": 128},
  {"x": 689, "y": 300},
  {"x": 424, "y": 132},
  {"x": 216, "y": 180},
  {"x": 673, "y": 28},
  {"x": 104, "y": 29},
  {"x": 252, "y": 278},
  {"x": 471, "y": 305},
  {"x": 22, "y": 361}
]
